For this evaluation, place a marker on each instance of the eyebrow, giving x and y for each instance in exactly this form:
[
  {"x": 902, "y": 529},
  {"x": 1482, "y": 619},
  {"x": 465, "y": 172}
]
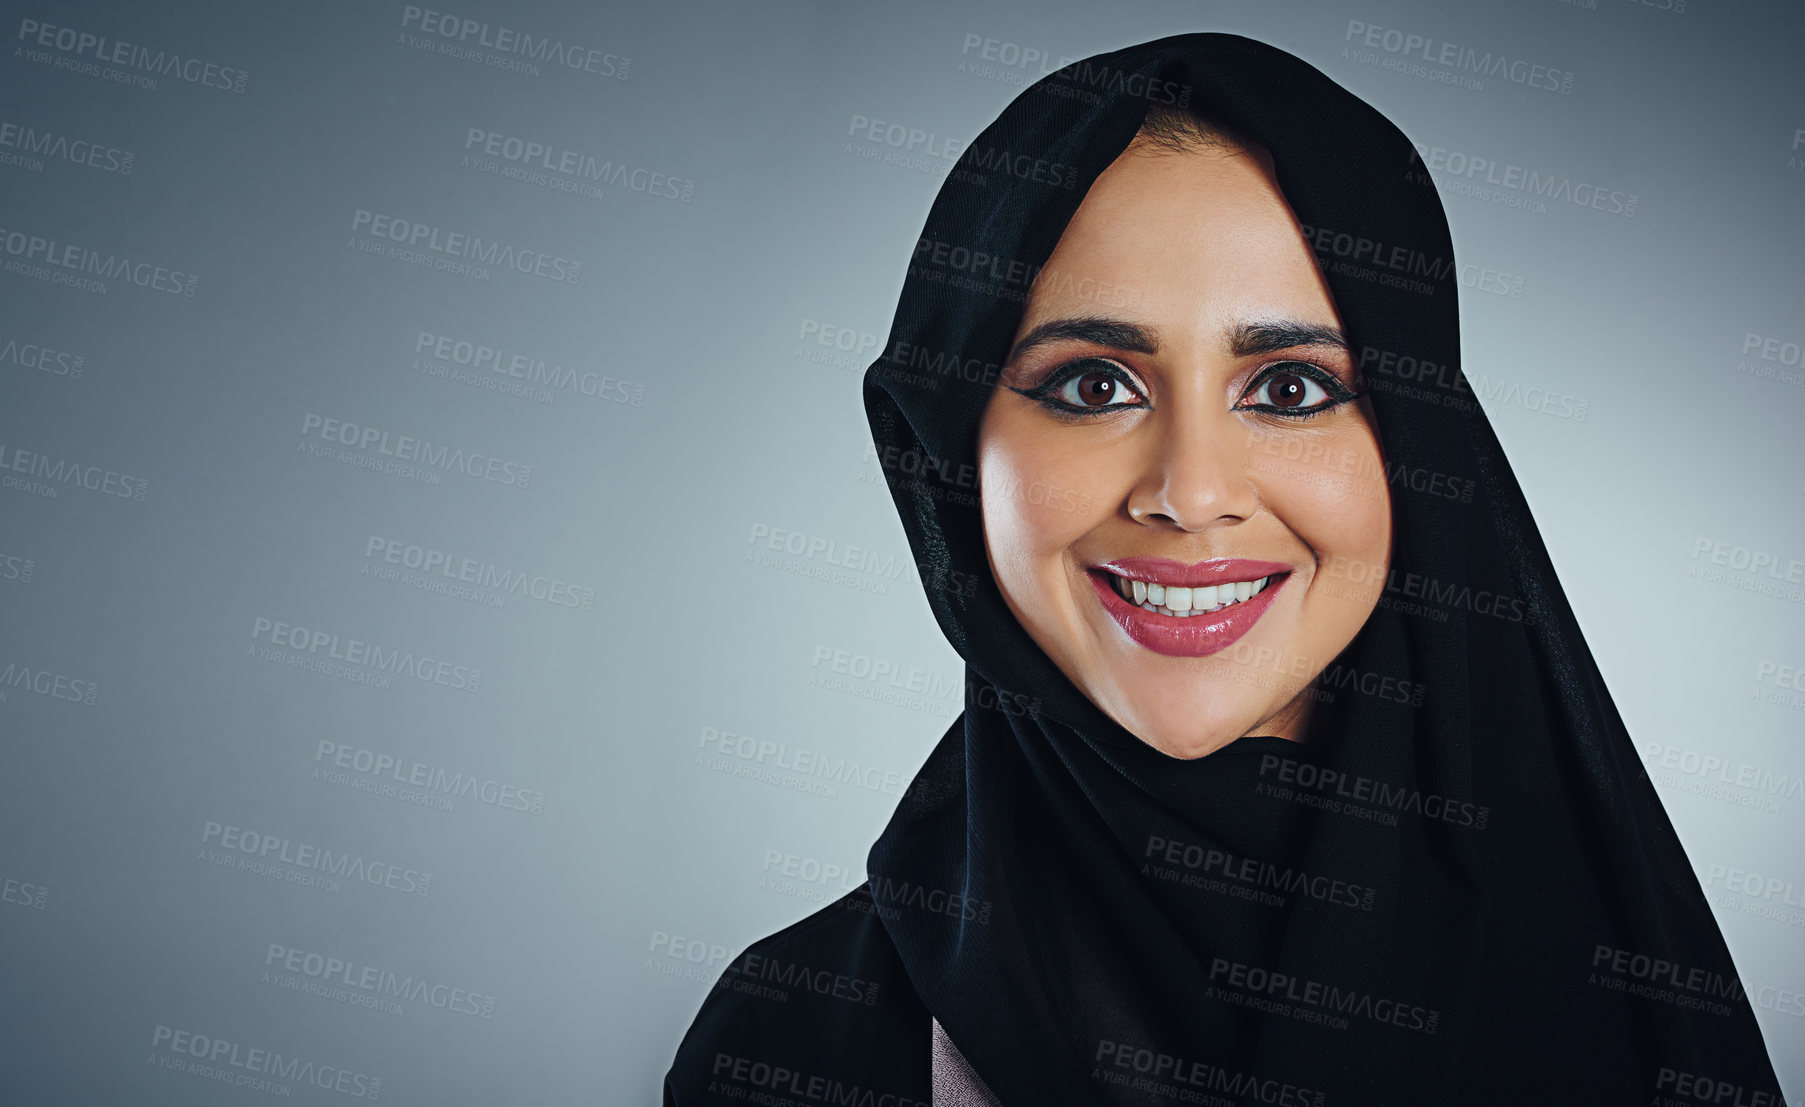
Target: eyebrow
[
  {"x": 1247, "y": 339},
  {"x": 1116, "y": 334},
  {"x": 1250, "y": 339}
]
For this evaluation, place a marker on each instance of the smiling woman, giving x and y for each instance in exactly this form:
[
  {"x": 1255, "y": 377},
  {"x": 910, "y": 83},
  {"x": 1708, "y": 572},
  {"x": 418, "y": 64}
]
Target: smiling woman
[
  {"x": 1159, "y": 418},
  {"x": 1285, "y": 775}
]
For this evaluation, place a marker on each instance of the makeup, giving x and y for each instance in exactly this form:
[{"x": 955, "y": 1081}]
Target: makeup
[{"x": 1232, "y": 586}]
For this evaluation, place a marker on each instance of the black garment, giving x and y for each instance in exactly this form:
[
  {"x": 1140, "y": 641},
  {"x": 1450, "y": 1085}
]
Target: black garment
[
  {"x": 1470, "y": 894},
  {"x": 824, "y": 1004}
]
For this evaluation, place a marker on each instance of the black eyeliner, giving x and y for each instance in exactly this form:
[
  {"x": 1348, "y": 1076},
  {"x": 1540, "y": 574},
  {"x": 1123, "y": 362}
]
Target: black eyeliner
[
  {"x": 1339, "y": 393},
  {"x": 1057, "y": 378}
]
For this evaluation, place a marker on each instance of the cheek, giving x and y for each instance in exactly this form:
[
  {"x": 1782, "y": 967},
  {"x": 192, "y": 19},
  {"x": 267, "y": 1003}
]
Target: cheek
[
  {"x": 1039, "y": 497},
  {"x": 1337, "y": 502},
  {"x": 1025, "y": 525}
]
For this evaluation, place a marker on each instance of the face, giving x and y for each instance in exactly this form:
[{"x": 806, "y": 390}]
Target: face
[{"x": 1210, "y": 523}]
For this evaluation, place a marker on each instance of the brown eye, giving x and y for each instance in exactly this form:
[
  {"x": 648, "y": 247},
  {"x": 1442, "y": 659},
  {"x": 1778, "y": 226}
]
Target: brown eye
[
  {"x": 1285, "y": 390},
  {"x": 1096, "y": 389},
  {"x": 1295, "y": 393},
  {"x": 1087, "y": 386}
]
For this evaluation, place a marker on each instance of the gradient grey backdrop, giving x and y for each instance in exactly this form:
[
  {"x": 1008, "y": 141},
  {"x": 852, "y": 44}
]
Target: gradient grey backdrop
[{"x": 703, "y": 405}]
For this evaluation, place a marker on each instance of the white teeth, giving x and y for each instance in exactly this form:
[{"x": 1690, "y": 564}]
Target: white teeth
[{"x": 1187, "y": 602}]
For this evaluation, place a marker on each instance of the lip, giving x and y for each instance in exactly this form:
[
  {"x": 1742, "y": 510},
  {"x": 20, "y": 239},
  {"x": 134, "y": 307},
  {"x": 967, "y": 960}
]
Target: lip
[
  {"x": 1194, "y": 635},
  {"x": 1162, "y": 570}
]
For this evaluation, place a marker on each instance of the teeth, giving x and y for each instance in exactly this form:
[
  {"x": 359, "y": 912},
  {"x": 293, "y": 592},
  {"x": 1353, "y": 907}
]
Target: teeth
[{"x": 1185, "y": 602}]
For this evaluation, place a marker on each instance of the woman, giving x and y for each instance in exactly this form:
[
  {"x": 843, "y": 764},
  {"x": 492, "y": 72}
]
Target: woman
[{"x": 1285, "y": 775}]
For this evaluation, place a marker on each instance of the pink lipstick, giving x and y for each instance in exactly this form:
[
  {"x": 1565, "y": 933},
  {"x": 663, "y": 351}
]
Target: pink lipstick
[{"x": 1208, "y": 614}]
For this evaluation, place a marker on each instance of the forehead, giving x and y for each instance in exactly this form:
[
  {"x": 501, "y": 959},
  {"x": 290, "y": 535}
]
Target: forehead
[{"x": 1197, "y": 239}]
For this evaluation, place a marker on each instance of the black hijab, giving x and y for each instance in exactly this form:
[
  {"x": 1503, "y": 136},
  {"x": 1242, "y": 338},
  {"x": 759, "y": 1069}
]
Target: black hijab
[{"x": 1469, "y": 894}]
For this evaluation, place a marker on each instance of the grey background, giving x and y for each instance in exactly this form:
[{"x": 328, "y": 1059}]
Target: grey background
[{"x": 734, "y": 424}]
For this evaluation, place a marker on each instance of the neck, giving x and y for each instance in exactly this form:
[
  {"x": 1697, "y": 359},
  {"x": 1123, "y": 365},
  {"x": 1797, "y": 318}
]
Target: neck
[{"x": 1290, "y": 722}]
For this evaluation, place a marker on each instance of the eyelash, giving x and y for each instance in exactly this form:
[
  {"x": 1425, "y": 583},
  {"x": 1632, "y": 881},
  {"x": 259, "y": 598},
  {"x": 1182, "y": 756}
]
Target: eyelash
[
  {"x": 1337, "y": 392},
  {"x": 1044, "y": 392}
]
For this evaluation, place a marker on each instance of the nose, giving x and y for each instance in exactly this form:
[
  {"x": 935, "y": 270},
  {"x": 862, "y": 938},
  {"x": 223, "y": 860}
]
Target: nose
[{"x": 1194, "y": 475}]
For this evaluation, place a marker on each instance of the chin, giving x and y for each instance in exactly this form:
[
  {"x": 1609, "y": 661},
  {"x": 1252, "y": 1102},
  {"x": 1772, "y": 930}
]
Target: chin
[{"x": 1197, "y": 721}]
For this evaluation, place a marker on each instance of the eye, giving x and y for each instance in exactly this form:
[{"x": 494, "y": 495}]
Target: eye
[
  {"x": 1085, "y": 387},
  {"x": 1294, "y": 388},
  {"x": 1095, "y": 388}
]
